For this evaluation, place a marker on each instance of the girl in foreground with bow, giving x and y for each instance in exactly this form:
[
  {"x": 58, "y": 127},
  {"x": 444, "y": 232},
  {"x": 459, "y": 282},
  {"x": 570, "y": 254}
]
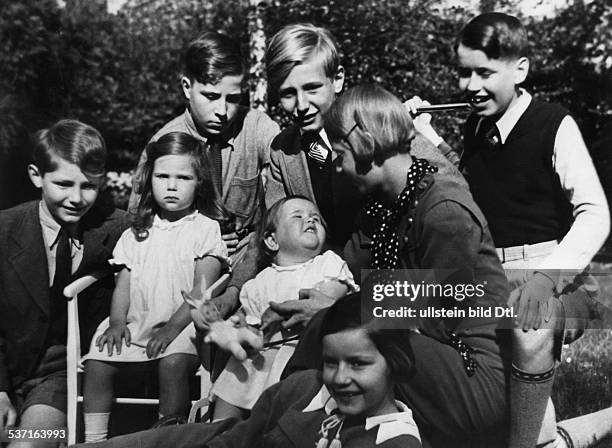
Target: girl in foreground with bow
[{"x": 349, "y": 403}]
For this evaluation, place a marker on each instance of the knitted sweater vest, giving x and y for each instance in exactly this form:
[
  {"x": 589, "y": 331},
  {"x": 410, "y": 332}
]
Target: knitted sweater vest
[{"x": 515, "y": 184}]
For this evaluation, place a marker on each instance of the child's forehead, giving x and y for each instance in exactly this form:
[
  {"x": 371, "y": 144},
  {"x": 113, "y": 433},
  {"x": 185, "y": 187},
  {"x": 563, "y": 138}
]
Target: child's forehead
[
  {"x": 311, "y": 69},
  {"x": 350, "y": 342},
  {"x": 63, "y": 167},
  {"x": 466, "y": 50},
  {"x": 66, "y": 170},
  {"x": 227, "y": 82},
  {"x": 175, "y": 162},
  {"x": 474, "y": 57},
  {"x": 298, "y": 204}
]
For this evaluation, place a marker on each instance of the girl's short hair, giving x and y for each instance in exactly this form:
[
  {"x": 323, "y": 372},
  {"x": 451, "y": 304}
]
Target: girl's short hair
[
  {"x": 212, "y": 56},
  {"x": 206, "y": 199},
  {"x": 268, "y": 225},
  {"x": 379, "y": 121},
  {"x": 294, "y": 45},
  {"x": 393, "y": 344},
  {"x": 72, "y": 141},
  {"x": 498, "y": 35}
]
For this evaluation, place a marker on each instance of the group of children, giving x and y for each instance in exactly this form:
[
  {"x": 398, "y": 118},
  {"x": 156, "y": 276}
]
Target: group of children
[{"x": 198, "y": 209}]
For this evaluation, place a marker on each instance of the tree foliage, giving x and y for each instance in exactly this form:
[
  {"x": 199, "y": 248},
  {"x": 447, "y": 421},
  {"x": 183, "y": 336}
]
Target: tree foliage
[
  {"x": 572, "y": 63},
  {"x": 404, "y": 46},
  {"x": 120, "y": 72}
]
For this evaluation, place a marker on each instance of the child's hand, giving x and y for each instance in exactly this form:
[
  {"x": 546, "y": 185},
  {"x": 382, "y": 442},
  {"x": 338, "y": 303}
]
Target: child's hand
[
  {"x": 234, "y": 243},
  {"x": 113, "y": 336},
  {"x": 422, "y": 122},
  {"x": 8, "y": 415},
  {"x": 236, "y": 340},
  {"x": 413, "y": 104},
  {"x": 161, "y": 340},
  {"x": 231, "y": 241}
]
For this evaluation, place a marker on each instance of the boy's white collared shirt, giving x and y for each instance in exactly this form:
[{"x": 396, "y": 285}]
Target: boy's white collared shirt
[
  {"x": 389, "y": 425},
  {"x": 50, "y": 231},
  {"x": 512, "y": 115},
  {"x": 325, "y": 139}
]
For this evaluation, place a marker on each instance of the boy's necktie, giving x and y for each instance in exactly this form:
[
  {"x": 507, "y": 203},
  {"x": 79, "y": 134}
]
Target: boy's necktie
[
  {"x": 217, "y": 165},
  {"x": 489, "y": 134},
  {"x": 63, "y": 264},
  {"x": 58, "y": 311},
  {"x": 315, "y": 148}
]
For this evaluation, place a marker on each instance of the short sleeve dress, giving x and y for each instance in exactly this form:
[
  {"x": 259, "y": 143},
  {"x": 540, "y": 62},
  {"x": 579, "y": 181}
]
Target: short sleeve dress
[
  {"x": 242, "y": 382},
  {"x": 160, "y": 267}
]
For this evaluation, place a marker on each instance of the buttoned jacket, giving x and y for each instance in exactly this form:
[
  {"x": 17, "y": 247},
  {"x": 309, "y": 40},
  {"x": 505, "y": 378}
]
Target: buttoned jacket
[{"x": 24, "y": 285}]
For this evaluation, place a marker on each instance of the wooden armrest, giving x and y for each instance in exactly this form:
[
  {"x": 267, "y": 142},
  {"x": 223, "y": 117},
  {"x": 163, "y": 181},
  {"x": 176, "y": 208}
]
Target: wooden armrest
[{"x": 85, "y": 282}]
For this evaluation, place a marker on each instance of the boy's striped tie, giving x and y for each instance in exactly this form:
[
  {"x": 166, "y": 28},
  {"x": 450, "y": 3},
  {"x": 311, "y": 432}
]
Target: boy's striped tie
[{"x": 316, "y": 149}]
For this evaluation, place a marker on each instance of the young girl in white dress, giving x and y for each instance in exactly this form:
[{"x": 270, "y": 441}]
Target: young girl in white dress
[
  {"x": 173, "y": 245},
  {"x": 291, "y": 238}
]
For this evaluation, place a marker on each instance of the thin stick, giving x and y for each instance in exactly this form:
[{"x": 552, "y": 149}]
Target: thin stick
[
  {"x": 282, "y": 341},
  {"x": 441, "y": 107}
]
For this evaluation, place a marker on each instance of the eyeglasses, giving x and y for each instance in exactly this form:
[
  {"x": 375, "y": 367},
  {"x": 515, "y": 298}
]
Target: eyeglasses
[
  {"x": 345, "y": 139},
  {"x": 346, "y": 136}
]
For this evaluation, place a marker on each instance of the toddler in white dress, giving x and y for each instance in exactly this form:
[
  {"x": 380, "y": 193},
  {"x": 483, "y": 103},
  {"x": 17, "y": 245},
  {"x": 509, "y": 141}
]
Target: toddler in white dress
[
  {"x": 292, "y": 238},
  {"x": 172, "y": 246}
]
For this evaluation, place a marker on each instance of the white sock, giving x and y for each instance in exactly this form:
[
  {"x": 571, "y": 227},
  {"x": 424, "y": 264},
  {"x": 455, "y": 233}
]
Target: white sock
[{"x": 96, "y": 426}]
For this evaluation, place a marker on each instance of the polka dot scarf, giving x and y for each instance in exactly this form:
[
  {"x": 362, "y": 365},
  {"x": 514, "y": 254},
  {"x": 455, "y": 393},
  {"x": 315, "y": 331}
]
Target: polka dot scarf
[{"x": 385, "y": 244}]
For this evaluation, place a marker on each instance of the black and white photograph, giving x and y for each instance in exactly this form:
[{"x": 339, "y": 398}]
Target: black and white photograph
[{"x": 306, "y": 223}]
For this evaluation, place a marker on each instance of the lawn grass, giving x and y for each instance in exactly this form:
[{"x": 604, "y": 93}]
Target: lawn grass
[
  {"x": 584, "y": 379},
  {"x": 583, "y": 383}
]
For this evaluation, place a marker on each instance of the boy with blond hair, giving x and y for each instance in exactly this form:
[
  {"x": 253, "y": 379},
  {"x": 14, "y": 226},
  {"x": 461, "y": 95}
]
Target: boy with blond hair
[{"x": 305, "y": 74}]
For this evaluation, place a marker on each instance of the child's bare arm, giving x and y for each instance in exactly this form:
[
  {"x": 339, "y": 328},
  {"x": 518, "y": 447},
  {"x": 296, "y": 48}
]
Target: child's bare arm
[
  {"x": 117, "y": 330},
  {"x": 121, "y": 298},
  {"x": 334, "y": 289},
  {"x": 206, "y": 271}
]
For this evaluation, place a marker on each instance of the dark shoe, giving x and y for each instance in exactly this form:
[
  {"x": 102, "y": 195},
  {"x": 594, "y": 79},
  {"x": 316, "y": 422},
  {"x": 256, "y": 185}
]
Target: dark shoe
[{"x": 170, "y": 420}]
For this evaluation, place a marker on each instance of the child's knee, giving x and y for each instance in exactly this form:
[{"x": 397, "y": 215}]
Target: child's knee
[
  {"x": 533, "y": 347},
  {"x": 99, "y": 369},
  {"x": 179, "y": 363}
]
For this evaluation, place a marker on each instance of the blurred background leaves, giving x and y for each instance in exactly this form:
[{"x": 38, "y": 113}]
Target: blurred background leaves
[{"x": 119, "y": 72}]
